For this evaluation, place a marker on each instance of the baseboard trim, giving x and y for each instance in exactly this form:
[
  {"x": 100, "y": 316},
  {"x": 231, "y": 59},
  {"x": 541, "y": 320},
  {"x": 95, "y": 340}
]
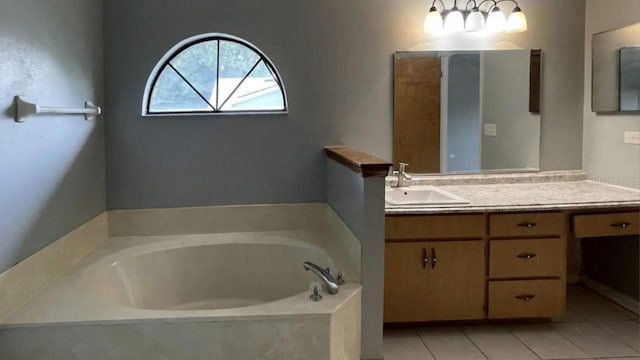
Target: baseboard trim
[{"x": 617, "y": 297}]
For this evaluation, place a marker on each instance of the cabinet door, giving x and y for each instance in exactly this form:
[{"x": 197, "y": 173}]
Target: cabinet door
[
  {"x": 456, "y": 280},
  {"x": 405, "y": 283}
]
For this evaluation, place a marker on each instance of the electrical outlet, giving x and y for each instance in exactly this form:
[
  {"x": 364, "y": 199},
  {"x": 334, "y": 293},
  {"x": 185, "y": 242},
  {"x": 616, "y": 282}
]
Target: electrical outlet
[
  {"x": 632, "y": 137},
  {"x": 490, "y": 130}
]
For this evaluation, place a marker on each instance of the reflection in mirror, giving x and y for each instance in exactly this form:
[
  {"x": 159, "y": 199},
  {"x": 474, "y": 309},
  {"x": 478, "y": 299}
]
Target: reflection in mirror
[
  {"x": 630, "y": 79},
  {"x": 466, "y": 111},
  {"x": 616, "y": 70}
]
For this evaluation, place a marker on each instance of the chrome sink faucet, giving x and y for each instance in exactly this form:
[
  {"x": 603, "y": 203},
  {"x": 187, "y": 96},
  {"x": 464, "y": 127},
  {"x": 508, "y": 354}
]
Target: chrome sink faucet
[
  {"x": 330, "y": 283},
  {"x": 404, "y": 179}
]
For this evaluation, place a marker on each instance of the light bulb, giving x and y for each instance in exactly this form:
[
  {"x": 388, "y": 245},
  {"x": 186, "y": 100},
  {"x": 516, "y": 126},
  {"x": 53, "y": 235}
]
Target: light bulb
[
  {"x": 496, "y": 21},
  {"x": 475, "y": 20},
  {"x": 454, "y": 21},
  {"x": 433, "y": 21},
  {"x": 517, "y": 22}
]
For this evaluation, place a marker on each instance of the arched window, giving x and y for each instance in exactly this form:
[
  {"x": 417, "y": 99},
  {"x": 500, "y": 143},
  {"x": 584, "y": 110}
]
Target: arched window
[{"x": 214, "y": 74}]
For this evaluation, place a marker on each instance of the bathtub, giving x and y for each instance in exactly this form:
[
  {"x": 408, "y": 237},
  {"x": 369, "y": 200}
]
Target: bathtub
[{"x": 202, "y": 296}]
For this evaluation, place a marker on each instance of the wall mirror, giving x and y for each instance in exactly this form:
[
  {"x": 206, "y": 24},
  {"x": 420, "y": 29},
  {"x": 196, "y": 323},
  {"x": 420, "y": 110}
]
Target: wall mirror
[
  {"x": 615, "y": 70},
  {"x": 467, "y": 111}
]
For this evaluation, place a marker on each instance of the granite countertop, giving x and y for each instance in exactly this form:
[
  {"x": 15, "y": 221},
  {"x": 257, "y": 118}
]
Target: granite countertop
[{"x": 541, "y": 193}]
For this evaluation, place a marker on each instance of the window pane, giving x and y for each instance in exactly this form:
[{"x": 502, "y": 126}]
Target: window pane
[
  {"x": 210, "y": 71},
  {"x": 199, "y": 64},
  {"x": 259, "y": 91},
  {"x": 236, "y": 60},
  {"x": 171, "y": 93}
]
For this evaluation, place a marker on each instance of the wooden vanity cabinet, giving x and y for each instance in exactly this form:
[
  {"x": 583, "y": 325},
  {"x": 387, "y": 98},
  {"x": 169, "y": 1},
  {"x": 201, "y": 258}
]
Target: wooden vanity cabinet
[
  {"x": 434, "y": 268},
  {"x": 619, "y": 223},
  {"x": 527, "y": 265},
  {"x": 474, "y": 266}
]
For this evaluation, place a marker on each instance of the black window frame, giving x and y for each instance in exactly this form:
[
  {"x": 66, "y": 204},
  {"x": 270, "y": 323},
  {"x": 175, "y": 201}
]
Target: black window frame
[{"x": 192, "y": 41}]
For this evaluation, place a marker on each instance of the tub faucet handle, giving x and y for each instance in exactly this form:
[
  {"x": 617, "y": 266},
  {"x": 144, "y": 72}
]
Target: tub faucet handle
[{"x": 315, "y": 292}]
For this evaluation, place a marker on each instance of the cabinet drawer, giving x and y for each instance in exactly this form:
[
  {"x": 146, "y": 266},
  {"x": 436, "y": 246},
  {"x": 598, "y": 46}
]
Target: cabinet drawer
[
  {"x": 613, "y": 224},
  {"x": 526, "y": 224},
  {"x": 434, "y": 227},
  {"x": 526, "y": 299},
  {"x": 526, "y": 258}
]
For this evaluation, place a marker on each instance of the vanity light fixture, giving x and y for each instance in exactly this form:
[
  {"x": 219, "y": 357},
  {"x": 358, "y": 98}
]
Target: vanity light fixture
[
  {"x": 471, "y": 18},
  {"x": 496, "y": 21},
  {"x": 454, "y": 20}
]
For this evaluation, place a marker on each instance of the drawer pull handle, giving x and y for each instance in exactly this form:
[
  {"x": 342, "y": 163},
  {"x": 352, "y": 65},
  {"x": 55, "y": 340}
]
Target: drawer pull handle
[
  {"x": 623, "y": 225},
  {"x": 527, "y": 256},
  {"x": 525, "y": 297},
  {"x": 434, "y": 259},
  {"x": 425, "y": 258},
  {"x": 527, "y": 224}
]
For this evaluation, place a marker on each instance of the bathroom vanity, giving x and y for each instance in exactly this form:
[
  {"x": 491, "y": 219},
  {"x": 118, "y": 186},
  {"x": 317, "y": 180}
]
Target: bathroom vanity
[{"x": 502, "y": 256}]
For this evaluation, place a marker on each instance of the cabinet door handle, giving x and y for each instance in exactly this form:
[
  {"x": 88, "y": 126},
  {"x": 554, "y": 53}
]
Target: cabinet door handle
[
  {"x": 527, "y": 256},
  {"x": 525, "y": 297},
  {"x": 434, "y": 259},
  {"x": 425, "y": 258},
  {"x": 622, "y": 225},
  {"x": 527, "y": 224}
]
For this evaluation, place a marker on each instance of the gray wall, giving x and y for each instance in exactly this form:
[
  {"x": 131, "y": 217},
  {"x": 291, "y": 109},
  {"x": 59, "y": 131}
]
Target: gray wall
[
  {"x": 463, "y": 113},
  {"x": 360, "y": 204},
  {"x": 606, "y": 158},
  {"x": 335, "y": 59},
  {"x": 51, "y": 168}
]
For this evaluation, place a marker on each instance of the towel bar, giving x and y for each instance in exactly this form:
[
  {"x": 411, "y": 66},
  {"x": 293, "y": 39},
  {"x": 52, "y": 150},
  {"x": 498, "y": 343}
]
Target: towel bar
[{"x": 25, "y": 108}]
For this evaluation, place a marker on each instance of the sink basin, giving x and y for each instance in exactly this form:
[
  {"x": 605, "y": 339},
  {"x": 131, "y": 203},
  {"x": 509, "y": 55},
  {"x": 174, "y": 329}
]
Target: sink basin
[{"x": 422, "y": 196}]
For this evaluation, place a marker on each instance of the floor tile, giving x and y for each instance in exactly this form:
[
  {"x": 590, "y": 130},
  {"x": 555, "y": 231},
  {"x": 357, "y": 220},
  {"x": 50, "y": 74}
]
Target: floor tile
[
  {"x": 612, "y": 305},
  {"x": 590, "y": 308},
  {"x": 449, "y": 344},
  {"x": 593, "y": 340},
  {"x": 627, "y": 331},
  {"x": 497, "y": 343},
  {"x": 569, "y": 316},
  {"x": 546, "y": 342},
  {"x": 404, "y": 344}
]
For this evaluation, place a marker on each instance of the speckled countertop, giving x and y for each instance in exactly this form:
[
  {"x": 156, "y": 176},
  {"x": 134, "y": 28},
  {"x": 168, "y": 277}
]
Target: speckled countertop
[{"x": 525, "y": 192}]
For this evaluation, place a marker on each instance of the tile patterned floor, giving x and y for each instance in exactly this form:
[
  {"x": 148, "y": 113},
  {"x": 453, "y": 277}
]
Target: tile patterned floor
[{"x": 592, "y": 328}]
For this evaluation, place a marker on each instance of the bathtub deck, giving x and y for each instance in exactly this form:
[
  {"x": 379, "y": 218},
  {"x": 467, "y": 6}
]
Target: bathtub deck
[{"x": 65, "y": 301}]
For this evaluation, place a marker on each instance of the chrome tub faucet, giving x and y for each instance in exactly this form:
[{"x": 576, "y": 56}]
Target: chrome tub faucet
[{"x": 330, "y": 283}]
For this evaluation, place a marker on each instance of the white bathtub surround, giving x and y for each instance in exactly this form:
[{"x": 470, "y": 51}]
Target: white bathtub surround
[
  {"x": 24, "y": 282},
  {"x": 318, "y": 218},
  {"x": 271, "y": 339},
  {"x": 239, "y": 292}
]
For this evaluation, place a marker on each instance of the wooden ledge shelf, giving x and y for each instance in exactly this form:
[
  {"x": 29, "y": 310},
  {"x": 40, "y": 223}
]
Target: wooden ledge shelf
[{"x": 358, "y": 161}]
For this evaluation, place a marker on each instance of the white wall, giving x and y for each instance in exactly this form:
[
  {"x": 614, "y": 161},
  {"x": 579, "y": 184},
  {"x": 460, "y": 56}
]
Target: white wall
[
  {"x": 556, "y": 27},
  {"x": 606, "y": 158}
]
